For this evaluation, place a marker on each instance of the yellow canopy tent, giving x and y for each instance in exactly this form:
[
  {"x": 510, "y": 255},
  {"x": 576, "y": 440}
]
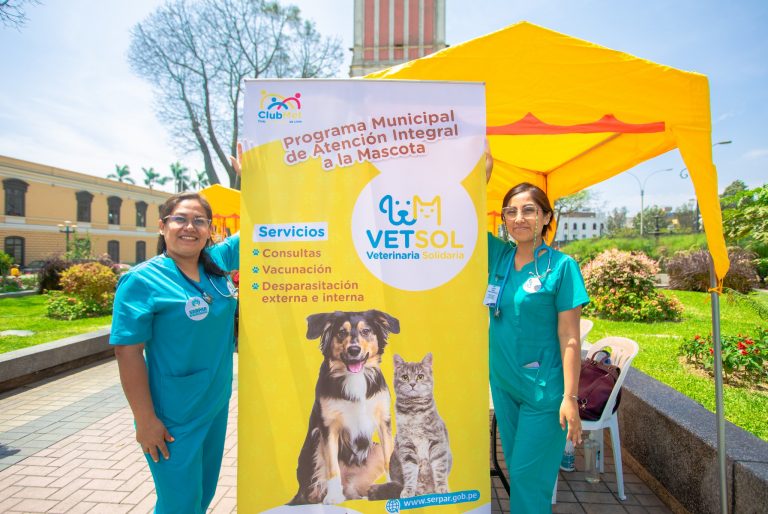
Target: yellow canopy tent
[
  {"x": 564, "y": 114},
  {"x": 225, "y": 203}
]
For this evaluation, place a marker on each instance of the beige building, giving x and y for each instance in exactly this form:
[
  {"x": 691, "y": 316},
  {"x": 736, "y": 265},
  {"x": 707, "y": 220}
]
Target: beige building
[{"x": 39, "y": 202}]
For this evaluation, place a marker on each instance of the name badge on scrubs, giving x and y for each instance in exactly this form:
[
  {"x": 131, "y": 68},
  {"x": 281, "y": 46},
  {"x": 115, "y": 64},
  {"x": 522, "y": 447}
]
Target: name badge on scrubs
[
  {"x": 196, "y": 308},
  {"x": 532, "y": 285},
  {"x": 491, "y": 295}
]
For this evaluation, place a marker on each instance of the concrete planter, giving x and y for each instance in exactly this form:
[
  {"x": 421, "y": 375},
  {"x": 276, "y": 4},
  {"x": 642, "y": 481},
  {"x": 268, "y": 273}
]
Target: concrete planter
[
  {"x": 675, "y": 439},
  {"x": 27, "y": 365}
]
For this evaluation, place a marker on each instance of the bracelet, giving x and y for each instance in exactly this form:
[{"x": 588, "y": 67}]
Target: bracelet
[{"x": 571, "y": 396}]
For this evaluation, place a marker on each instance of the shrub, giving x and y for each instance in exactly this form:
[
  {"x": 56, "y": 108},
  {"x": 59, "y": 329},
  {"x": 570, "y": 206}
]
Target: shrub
[
  {"x": 620, "y": 286},
  {"x": 689, "y": 271},
  {"x": 10, "y": 284},
  {"x": 5, "y": 263},
  {"x": 761, "y": 267},
  {"x": 50, "y": 274},
  {"x": 88, "y": 290},
  {"x": 744, "y": 357}
]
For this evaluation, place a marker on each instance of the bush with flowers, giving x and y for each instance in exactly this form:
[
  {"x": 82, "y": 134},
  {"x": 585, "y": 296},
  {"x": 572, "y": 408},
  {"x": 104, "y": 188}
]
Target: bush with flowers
[
  {"x": 87, "y": 290},
  {"x": 744, "y": 357},
  {"x": 620, "y": 286}
]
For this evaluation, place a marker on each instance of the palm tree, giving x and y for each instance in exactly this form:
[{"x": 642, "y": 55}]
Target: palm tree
[
  {"x": 151, "y": 177},
  {"x": 200, "y": 181},
  {"x": 180, "y": 177},
  {"x": 121, "y": 174}
]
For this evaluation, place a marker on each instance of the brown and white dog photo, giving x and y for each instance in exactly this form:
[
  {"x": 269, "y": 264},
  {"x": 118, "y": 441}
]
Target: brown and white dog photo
[{"x": 340, "y": 460}]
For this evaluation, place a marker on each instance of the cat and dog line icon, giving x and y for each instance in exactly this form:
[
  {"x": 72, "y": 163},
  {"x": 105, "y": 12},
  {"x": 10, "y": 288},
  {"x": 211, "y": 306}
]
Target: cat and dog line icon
[
  {"x": 408, "y": 212},
  {"x": 339, "y": 459}
]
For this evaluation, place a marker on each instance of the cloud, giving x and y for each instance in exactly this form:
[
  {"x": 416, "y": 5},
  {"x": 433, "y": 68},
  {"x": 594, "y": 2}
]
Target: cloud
[
  {"x": 757, "y": 153},
  {"x": 726, "y": 115}
]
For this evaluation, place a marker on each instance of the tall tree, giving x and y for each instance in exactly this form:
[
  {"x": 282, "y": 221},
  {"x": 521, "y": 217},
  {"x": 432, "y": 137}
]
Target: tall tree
[
  {"x": 199, "y": 181},
  {"x": 577, "y": 202},
  {"x": 616, "y": 222},
  {"x": 151, "y": 177},
  {"x": 180, "y": 177},
  {"x": 735, "y": 187},
  {"x": 197, "y": 53},
  {"x": 122, "y": 174},
  {"x": 746, "y": 223},
  {"x": 650, "y": 216},
  {"x": 13, "y": 13},
  {"x": 686, "y": 216}
]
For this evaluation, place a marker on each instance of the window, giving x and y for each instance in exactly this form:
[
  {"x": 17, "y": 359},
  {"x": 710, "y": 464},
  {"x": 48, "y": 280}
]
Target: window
[
  {"x": 14, "y": 246},
  {"x": 84, "y": 200},
  {"x": 141, "y": 251},
  {"x": 15, "y": 192},
  {"x": 141, "y": 214},
  {"x": 594, "y": 226},
  {"x": 602, "y": 227},
  {"x": 584, "y": 226},
  {"x": 113, "y": 213},
  {"x": 575, "y": 226},
  {"x": 113, "y": 249}
]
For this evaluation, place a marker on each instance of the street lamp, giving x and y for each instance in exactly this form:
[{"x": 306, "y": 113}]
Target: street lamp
[
  {"x": 642, "y": 193},
  {"x": 684, "y": 171},
  {"x": 67, "y": 228}
]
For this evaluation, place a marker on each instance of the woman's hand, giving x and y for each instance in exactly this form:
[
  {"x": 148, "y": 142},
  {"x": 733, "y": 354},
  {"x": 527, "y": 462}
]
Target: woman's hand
[
  {"x": 236, "y": 161},
  {"x": 569, "y": 411},
  {"x": 152, "y": 435}
]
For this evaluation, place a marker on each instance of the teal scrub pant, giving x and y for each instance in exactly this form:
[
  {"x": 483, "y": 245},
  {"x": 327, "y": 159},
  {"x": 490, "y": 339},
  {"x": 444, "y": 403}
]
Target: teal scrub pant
[
  {"x": 186, "y": 482},
  {"x": 533, "y": 444}
]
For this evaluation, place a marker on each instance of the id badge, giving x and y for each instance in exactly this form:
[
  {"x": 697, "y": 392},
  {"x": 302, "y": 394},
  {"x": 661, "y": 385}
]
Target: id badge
[{"x": 491, "y": 295}]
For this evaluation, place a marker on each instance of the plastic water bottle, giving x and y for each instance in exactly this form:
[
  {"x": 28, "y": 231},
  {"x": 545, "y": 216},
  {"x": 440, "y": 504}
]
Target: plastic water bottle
[
  {"x": 567, "y": 463},
  {"x": 591, "y": 452}
]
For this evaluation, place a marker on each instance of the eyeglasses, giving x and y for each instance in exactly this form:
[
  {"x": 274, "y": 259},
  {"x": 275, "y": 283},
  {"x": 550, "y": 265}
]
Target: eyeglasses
[
  {"x": 528, "y": 212},
  {"x": 183, "y": 221}
]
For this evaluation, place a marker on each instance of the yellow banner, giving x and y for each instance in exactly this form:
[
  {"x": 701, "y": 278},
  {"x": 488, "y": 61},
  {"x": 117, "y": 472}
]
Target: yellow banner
[{"x": 363, "y": 382}]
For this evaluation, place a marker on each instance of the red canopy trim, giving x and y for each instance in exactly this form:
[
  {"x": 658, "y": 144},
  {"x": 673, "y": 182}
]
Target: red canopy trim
[{"x": 530, "y": 125}]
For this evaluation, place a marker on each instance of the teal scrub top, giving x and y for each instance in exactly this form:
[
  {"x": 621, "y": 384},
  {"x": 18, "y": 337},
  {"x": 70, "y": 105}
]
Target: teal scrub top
[
  {"x": 188, "y": 344},
  {"x": 524, "y": 346}
]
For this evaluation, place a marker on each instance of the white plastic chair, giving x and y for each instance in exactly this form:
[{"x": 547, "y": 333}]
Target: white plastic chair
[{"x": 623, "y": 351}]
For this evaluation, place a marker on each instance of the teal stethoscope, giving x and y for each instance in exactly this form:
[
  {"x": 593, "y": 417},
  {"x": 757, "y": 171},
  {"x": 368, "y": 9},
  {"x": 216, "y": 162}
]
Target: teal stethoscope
[
  {"x": 533, "y": 283},
  {"x": 203, "y": 293}
]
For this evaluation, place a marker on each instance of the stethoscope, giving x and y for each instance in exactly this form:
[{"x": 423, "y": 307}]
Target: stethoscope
[
  {"x": 203, "y": 293},
  {"x": 533, "y": 283}
]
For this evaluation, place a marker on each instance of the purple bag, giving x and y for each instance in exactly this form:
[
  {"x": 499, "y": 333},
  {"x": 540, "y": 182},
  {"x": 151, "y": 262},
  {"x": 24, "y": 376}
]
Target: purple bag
[{"x": 595, "y": 385}]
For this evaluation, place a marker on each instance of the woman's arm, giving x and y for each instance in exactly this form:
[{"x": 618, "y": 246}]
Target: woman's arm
[
  {"x": 570, "y": 351},
  {"x": 150, "y": 431}
]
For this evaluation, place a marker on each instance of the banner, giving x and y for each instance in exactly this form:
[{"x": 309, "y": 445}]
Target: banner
[{"x": 363, "y": 380}]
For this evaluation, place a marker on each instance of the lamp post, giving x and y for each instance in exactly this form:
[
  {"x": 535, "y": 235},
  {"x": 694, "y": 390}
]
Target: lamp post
[
  {"x": 684, "y": 174},
  {"x": 67, "y": 228},
  {"x": 642, "y": 193}
]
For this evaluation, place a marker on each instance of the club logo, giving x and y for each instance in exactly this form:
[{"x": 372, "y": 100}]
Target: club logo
[
  {"x": 196, "y": 308},
  {"x": 277, "y": 108}
]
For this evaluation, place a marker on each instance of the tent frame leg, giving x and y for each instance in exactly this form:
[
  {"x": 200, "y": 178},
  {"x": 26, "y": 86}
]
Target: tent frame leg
[{"x": 719, "y": 411}]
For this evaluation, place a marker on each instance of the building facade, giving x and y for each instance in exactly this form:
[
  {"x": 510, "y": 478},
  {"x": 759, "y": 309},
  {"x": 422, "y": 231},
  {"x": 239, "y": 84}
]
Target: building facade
[
  {"x": 44, "y": 208},
  {"x": 389, "y": 32},
  {"x": 572, "y": 226}
]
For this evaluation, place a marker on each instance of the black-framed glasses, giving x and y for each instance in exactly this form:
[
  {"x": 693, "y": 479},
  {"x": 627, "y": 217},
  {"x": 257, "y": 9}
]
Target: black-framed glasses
[
  {"x": 527, "y": 212},
  {"x": 183, "y": 221}
]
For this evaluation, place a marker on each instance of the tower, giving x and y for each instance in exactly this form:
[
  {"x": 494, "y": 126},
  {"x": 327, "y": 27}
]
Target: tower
[{"x": 389, "y": 32}]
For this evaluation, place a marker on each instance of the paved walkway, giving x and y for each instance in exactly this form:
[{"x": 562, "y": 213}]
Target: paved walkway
[{"x": 67, "y": 446}]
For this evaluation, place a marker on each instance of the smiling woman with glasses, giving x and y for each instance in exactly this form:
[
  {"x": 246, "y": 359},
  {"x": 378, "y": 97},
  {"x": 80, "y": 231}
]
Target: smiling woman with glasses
[
  {"x": 173, "y": 331},
  {"x": 535, "y": 295}
]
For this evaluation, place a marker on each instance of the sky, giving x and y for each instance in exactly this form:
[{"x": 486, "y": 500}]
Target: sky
[{"x": 69, "y": 99}]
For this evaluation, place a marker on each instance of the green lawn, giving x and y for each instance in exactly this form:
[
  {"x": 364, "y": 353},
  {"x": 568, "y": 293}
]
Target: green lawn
[
  {"x": 658, "y": 357},
  {"x": 28, "y": 313},
  {"x": 658, "y": 346}
]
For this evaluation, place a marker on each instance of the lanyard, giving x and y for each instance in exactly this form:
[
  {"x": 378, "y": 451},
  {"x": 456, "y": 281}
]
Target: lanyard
[
  {"x": 208, "y": 298},
  {"x": 497, "y": 308}
]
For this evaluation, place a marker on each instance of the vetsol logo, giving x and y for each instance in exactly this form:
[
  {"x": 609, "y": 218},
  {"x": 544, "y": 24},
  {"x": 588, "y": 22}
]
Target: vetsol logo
[{"x": 277, "y": 108}]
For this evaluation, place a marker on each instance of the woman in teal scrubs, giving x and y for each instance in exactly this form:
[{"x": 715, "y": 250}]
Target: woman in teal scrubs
[
  {"x": 173, "y": 331},
  {"x": 535, "y": 306}
]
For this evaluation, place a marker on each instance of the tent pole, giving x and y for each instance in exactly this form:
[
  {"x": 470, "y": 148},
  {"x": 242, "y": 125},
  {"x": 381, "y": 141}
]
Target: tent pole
[{"x": 719, "y": 412}]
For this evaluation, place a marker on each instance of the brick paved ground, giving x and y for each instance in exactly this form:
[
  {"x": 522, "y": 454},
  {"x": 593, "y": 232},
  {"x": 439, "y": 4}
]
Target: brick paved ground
[{"x": 67, "y": 446}]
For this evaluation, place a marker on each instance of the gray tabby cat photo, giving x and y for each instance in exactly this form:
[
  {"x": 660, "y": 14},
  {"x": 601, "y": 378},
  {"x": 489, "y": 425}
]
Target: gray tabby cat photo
[{"x": 422, "y": 457}]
